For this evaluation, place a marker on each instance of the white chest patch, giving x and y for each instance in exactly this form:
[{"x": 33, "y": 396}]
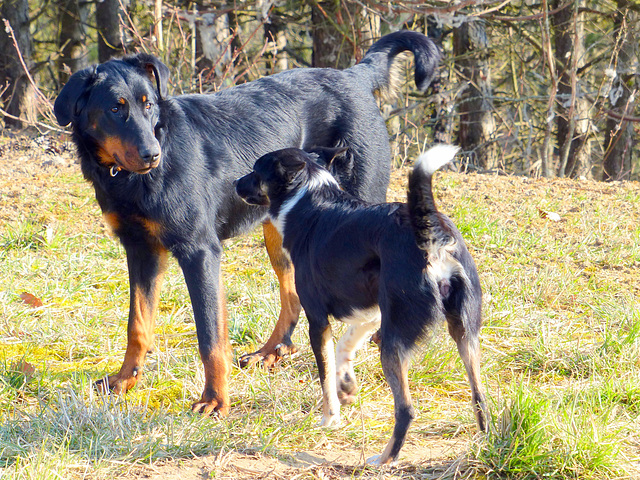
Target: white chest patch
[
  {"x": 285, "y": 208},
  {"x": 319, "y": 179}
]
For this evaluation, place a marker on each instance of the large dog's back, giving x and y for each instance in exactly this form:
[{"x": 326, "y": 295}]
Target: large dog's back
[{"x": 315, "y": 107}]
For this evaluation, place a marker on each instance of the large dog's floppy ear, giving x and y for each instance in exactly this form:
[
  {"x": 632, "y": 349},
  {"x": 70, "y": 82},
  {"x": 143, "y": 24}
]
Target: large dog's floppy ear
[
  {"x": 68, "y": 104},
  {"x": 154, "y": 68}
]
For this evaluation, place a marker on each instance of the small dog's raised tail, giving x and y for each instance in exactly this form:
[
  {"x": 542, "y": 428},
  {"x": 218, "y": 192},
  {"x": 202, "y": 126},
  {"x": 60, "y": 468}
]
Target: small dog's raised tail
[{"x": 429, "y": 228}]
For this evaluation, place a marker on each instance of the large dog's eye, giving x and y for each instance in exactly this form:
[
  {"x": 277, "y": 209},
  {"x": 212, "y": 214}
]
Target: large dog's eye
[{"x": 121, "y": 103}]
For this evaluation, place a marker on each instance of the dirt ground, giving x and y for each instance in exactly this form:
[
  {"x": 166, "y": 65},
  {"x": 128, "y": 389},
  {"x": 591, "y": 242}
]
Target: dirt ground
[{"x": 424, "y": 462}]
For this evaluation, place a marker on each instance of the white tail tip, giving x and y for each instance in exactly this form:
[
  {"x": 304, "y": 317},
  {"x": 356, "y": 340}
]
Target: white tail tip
[{"x": 436, "y": 157}]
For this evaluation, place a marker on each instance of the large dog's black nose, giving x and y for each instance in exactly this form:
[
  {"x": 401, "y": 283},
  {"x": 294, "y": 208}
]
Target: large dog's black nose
[{"x": 150, "y": 156}]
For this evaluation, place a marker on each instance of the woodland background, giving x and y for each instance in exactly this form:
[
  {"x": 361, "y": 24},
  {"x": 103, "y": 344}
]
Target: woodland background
[{"x": 541, "y": 88}]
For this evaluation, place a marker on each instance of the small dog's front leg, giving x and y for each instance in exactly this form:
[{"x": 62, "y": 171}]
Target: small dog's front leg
[{"x": 322, "y": 345}]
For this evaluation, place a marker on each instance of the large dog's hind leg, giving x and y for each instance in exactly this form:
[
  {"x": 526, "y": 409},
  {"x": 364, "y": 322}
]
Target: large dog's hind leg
[
  {"x": 202, "y": 274},
  {"x": 279, "y": 343},
  {"x": 147, "y": 264}
]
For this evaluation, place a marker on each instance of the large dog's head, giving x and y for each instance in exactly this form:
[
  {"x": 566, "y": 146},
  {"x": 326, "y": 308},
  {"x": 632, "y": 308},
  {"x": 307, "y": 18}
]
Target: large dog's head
[
  {"x": 114, "y": 106},
  {"x": 280, "y": 175}
]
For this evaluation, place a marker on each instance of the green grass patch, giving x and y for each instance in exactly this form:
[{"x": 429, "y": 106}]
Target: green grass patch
[{"x": 535, "y": 435}]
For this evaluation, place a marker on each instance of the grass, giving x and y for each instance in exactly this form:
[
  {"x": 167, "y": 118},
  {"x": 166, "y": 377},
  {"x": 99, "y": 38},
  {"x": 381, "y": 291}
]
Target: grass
[
  {"x": 561, "y": 344},
  {"x": 537, "y": 435}
]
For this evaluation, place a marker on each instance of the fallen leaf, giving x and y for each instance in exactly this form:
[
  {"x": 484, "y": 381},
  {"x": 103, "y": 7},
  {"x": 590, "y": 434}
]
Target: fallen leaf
[
  {"x": 31, "y": 300},
  {"x": 25, "y": 368},
  {"x": 553, "y": 216}
]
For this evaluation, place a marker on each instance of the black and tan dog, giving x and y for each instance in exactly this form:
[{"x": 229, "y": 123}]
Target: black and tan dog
[
  {"x": 396, "y": 267},
  {"x": 162, "y": 169}
]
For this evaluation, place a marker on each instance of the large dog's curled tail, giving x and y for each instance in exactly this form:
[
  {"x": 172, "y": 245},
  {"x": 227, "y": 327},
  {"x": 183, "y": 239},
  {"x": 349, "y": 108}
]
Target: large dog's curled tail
[
  {"x": 382, "y": 54},
  {"x": 429, "y": 227}
]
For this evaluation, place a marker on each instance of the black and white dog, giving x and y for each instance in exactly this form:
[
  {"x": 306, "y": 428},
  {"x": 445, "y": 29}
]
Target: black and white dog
[{"x": 393, "y": 266}]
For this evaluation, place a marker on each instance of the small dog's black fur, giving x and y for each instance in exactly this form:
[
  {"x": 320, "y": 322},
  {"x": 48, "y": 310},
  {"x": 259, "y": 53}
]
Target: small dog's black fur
[
  {"x": 397, "y": 266},
  {"x": 162, "y": 168}
]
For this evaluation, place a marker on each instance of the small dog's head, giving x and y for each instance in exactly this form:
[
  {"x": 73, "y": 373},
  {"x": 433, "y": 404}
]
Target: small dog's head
[
  {"x": 272, "y": 177},
  {"x": 278, "y": 175}
]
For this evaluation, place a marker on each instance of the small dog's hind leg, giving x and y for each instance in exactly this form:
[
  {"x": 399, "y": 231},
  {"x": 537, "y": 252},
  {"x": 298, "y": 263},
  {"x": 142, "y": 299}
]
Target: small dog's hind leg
[
  {"x": 469, "y": 350},
  {"x": 395, "y": 365}
]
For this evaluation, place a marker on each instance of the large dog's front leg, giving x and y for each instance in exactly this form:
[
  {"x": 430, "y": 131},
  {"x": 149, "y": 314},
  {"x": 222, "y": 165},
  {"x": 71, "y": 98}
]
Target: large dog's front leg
[
  {"x": 202, "y": 274},
  {"x": 147, "y": 265},
  {"x": 279, "y": 343}
]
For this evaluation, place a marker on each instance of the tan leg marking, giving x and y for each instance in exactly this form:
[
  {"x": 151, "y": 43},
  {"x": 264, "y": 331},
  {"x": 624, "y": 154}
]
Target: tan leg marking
[
  {"x": 140, "y": 332},
  {"x": 217, "y": 367},
  {"x": 279, "y": 343}
]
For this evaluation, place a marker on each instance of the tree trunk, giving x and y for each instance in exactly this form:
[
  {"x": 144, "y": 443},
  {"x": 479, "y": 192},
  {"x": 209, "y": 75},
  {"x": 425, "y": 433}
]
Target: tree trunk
[
  {"x": 441, "y": 116},
  {"x": 619, "y": 134},
  {"x": 332, "y": 46},
  {"x": 157, "y": 28},
  {"x": 205, "y": 52},
  {"x": 72, "y": 40},
  {"x": 19, "y": 98},
  {"x": 477, "y": 125},
  {"x": 276, "y": 57},
  {"x": 572, "y": 121},
  {"x": 109, "y": 19}
]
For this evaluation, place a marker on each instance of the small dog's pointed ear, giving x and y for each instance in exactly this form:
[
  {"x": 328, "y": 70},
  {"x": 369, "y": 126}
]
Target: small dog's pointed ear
[
  {"x": 327, "y": 156},
  {"x": 68, "y": 103},
  {"x": 294, "y": 169},
  {"x": 153, "y": 68},
  {"x": 338, "y": 155},
  {"x": 290, "y": 168}
]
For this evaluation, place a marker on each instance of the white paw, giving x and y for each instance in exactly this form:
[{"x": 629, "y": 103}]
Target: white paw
[
  {"x": 377, "y": 460},
  {"x": 330, "y": 421}
]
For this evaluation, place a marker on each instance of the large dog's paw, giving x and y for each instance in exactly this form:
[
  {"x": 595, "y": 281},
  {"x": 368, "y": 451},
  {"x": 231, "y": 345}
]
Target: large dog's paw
[
  {"x": 270, "y": 357},
  {"x": 117, "y": 383},
  {"x": 218, "y": 407}
]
